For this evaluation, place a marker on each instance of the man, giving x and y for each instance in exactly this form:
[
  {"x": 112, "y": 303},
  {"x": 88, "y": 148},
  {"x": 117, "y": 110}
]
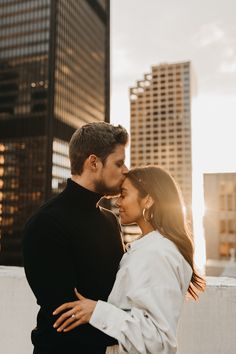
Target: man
[{"x": 72, "y": 242}]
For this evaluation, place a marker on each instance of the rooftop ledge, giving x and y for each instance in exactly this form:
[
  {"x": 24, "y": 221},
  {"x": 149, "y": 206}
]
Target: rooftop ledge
[
  {"x": 18, "y": 272},
  {"x": 207, "y": 326}
]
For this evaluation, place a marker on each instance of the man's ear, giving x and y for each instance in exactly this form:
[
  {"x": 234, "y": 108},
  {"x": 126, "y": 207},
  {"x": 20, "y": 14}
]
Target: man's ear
[{"x": 92, "y": 162}]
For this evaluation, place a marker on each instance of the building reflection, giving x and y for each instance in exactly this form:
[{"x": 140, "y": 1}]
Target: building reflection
[{"x": 54, "y": 77}]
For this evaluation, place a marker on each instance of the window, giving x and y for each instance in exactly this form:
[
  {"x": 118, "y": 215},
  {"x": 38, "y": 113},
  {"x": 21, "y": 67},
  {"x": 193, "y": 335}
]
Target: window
[
  {"x": 231, "y": 228},
  {"x": 222, "y": 226},
  {"x": 230, "y": 202}
]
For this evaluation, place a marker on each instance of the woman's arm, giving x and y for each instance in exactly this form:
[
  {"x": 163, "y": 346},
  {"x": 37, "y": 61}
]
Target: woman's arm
[{"x": 151, "y": 322}]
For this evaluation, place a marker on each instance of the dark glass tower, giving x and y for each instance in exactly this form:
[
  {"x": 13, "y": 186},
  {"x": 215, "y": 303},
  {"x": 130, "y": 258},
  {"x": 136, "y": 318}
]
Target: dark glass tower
[{"x": 54, "y": 77}]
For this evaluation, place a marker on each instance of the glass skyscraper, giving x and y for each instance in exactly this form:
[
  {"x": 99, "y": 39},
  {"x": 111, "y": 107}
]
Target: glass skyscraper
[{"x": 54, "y": 77}]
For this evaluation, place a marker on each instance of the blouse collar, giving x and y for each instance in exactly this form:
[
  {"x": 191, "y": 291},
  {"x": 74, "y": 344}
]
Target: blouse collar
[{"x": 142, "y": 241}]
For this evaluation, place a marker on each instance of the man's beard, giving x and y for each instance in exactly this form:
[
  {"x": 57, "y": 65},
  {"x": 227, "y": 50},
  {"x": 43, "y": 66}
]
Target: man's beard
[{"x": 102, "y": 188}]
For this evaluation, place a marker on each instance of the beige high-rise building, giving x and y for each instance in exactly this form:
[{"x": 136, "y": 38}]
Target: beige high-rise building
[
  {"x": 161, "y": 123},
  {"x": 220, "y": 215}
]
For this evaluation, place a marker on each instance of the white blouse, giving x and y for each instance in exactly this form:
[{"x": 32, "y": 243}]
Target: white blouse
[{"x": 145, "y": 303}]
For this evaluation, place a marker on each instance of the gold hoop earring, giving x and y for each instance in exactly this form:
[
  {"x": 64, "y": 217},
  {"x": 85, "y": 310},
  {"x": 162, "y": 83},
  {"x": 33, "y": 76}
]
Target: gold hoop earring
[
  {"x": 144, "y": 217},
  {"x": 148, "y": 217}
]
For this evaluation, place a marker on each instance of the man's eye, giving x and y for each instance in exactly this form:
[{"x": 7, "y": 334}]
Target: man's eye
[{"x": 119, "y": 164}]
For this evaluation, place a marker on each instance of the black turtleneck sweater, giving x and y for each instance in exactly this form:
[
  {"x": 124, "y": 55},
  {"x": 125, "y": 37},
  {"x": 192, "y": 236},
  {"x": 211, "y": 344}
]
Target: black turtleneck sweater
[{"x": 68, "y": 243}]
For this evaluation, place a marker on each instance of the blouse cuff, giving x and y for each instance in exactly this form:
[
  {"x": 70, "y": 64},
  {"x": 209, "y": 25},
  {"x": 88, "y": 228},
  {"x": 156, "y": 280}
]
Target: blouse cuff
[{"x": 108, "y": 318}]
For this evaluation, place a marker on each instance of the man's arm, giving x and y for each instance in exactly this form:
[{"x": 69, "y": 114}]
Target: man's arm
[{"x": 48, "y": 265}]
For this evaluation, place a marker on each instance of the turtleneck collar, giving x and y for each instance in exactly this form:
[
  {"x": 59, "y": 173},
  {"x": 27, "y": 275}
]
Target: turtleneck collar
[{"x": 80, "y": 196}]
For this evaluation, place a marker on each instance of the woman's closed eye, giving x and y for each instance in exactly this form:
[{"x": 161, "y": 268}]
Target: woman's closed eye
[
  {"x": 123, "y": 195},
  {"x": 120, "y": 163}
]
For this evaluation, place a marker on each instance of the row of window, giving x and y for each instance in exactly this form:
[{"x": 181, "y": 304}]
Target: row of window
[
  {"x": 170, "y": 67},
  {"x": 156, "y": 118},
  {"x": 13, "y": 18},
  {"x": 18, "y": 6},
  {"x": 156, "y": 154},
  {"x": 171, "y": 73},
  {"x": 22, "y": 29},
  {"x": 147, "y": 99},
  {"x": 27, "y": 50},
  {"x": 146, "y": 155},
  {"x": 157, "y": 105},
  {"x": 228, "y": 202},
  {"x": 143, "y": 129},
  {"x": 156, "y": 149},
  {"x": 166, "y": 80},
  {"x": 227, "y": 226},
  {"x": 164, "y": 89},
  {"x": 136, "y": 130},
  {"x": 170, "y": 114},
  {"x": 25, "y": 39}
]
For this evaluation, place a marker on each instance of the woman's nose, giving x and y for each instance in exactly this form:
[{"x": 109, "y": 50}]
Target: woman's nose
[{"x": 125, "y": 169}]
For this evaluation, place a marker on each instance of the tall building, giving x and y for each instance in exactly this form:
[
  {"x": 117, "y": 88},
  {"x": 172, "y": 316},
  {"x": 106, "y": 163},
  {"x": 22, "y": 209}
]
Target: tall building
[
  {"x": 161, "y": 123},
  {"x": 54, "y": 77},
  {"x": 220, "y": 215}
]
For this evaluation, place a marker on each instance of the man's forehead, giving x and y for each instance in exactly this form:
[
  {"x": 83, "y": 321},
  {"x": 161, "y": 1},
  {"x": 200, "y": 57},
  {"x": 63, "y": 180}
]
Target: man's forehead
[{"x": 119, "y": 152}]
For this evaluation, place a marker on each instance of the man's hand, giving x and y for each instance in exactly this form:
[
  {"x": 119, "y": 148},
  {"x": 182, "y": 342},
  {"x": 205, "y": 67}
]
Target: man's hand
[{"x": 79, "y": 312}]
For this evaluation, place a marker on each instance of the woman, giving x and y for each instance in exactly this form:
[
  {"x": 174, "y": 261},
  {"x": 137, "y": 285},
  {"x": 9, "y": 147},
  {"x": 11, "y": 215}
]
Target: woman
[{"x": 155, "y": 274}]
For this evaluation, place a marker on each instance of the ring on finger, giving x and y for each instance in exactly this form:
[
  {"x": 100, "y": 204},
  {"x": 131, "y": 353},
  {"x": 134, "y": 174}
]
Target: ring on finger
[{"x": 73, "y": 316}]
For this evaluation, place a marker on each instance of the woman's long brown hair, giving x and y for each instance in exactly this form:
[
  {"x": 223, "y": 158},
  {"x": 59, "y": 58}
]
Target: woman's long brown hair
[{"x": 167, "y": 214}]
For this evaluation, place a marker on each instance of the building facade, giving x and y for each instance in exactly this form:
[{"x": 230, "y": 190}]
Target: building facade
[
  {"x": 54, "y": 77},
  {"x": 161, "y": 123},
  {"x": 220, "y": 215}
]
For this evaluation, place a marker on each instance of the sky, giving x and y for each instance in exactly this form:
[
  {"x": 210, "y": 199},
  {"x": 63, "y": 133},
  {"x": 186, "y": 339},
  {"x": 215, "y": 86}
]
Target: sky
[{"x": 150, "y": 32}]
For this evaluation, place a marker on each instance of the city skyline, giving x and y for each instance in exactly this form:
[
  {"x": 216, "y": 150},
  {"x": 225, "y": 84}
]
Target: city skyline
[{"x": 203, "y": 33}]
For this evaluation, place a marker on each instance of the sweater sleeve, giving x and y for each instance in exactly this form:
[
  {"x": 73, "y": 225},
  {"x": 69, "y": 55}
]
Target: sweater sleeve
[
  {"x": 149, "y": 326},
  {"x": 47, "y": 261}
]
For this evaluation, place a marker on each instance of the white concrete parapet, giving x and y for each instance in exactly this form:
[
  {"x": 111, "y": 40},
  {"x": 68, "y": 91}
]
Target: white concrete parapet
[
  {"x": 18, "y": 311},
  {"x": 206, "y": 327}
]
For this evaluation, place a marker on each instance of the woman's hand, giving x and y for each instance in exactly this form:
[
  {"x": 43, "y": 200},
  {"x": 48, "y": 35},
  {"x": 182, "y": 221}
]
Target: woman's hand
[{"x": 79, "y": 312}]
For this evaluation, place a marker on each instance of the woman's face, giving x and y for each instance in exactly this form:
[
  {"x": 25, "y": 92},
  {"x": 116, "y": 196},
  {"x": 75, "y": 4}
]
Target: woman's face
[{"x": 130, "y": 204}]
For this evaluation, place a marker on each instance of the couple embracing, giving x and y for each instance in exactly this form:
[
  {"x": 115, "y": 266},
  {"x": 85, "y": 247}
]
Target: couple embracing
[{"x": 94, "y": 296}]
